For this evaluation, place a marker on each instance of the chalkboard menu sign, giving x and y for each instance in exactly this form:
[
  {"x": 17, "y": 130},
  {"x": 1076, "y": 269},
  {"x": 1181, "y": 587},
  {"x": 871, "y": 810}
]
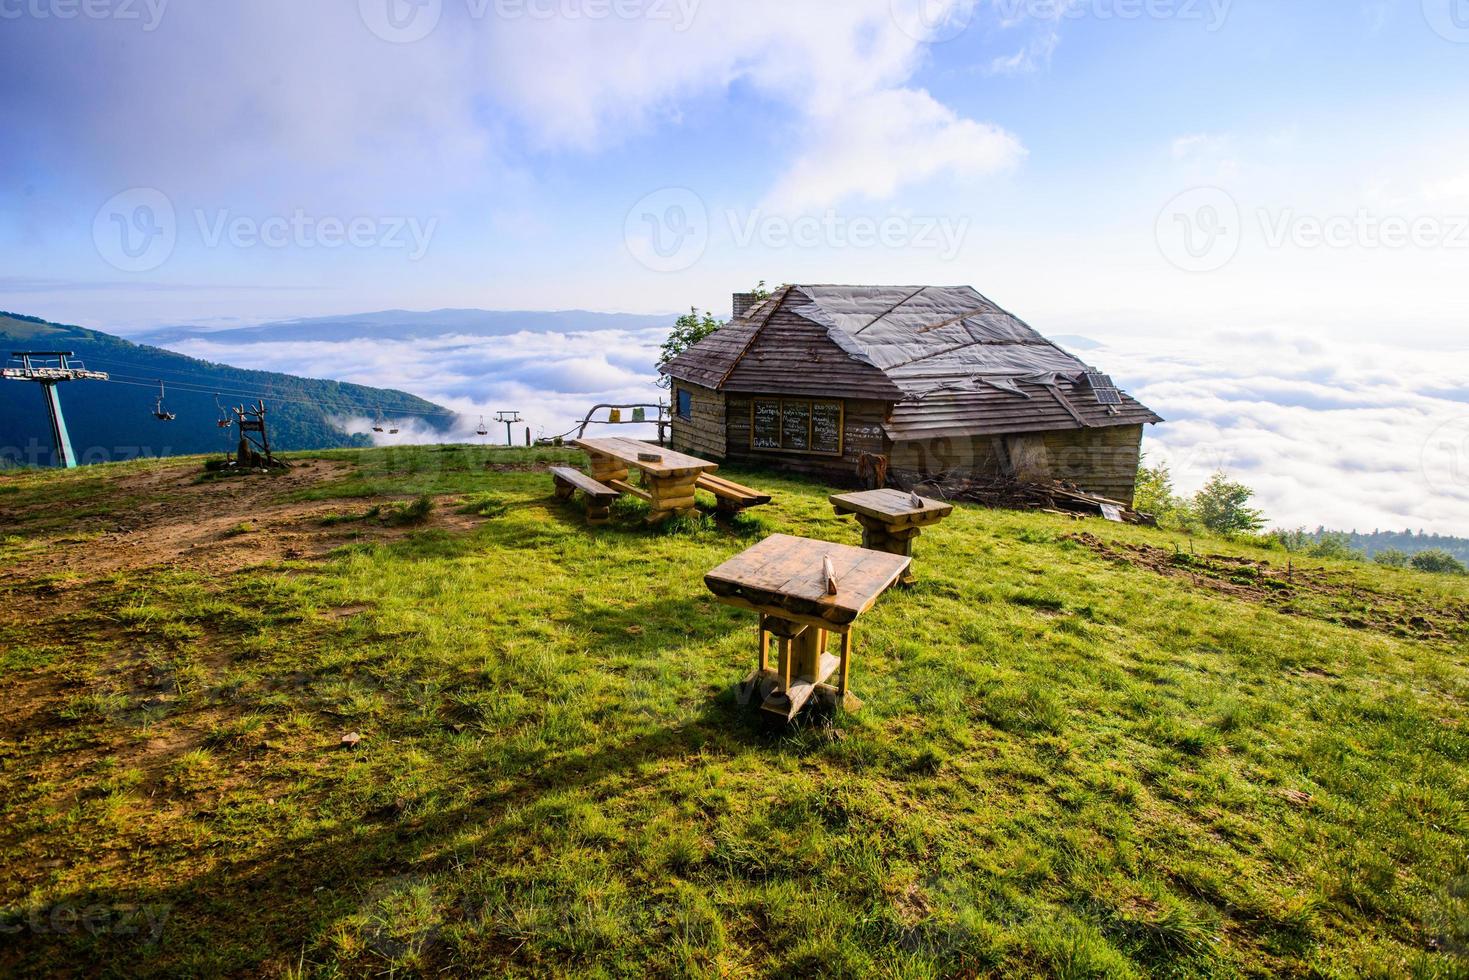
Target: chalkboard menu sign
[
  {"x": 826, "y": 427},
  {"x": 765, "y": 427},
  {"x": 795, "y": 425}
]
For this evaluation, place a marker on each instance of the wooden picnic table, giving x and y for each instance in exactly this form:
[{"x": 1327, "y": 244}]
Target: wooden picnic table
[
  {"x": 891, "y": 520},
  {"x": 668, "y": 480},
  {"x": 784, "y": 579}
]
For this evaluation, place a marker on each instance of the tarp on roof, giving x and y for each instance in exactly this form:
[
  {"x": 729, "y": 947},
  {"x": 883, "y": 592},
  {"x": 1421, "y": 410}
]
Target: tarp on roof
[{"x": 933, "y": 337}]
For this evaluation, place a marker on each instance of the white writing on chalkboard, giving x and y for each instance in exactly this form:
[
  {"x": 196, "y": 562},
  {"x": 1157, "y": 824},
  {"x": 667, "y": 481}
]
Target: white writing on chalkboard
[{"x": 796, "y": 425}]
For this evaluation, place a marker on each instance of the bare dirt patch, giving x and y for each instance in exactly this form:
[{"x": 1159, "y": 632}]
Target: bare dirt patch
[
  {"x": 216, "y": 526},
  {"x": 1313, "y": 593}
]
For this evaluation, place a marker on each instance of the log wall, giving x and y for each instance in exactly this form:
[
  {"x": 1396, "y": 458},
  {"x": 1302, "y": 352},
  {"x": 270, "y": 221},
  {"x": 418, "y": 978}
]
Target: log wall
[{"x": 703, "y": 435}]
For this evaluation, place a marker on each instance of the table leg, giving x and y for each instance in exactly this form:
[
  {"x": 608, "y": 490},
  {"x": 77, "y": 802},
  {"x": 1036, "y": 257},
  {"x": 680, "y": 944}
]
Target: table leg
[
  {"x": 672, "y": 496},
  {"x": 877, "y": 536},
  {"x": 606, "y": 469}
]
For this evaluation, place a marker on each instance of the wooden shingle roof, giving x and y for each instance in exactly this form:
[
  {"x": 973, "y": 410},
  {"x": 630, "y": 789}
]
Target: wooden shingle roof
[{"x": 951, "y": 361}]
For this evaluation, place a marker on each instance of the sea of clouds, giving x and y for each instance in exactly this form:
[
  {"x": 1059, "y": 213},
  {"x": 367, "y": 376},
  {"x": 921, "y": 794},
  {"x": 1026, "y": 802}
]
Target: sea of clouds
[{"x": 1351, "y": 434}]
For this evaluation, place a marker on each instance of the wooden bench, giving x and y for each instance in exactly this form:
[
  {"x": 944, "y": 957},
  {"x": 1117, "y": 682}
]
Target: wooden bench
[
  {"x": 732, "y": 497},
  {"x": 599, "y": 496}
]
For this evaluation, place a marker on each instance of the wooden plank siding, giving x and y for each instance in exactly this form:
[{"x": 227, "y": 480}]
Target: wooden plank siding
[
  {"x": 861, "y": 433},
  {"x": 703, "y": 434},
  {"x": 1103, "y": 460}
]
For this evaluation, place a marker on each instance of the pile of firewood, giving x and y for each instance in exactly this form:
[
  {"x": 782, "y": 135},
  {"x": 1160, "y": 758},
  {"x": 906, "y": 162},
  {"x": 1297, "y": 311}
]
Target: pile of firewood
[{"x": 1052, "y": 497}]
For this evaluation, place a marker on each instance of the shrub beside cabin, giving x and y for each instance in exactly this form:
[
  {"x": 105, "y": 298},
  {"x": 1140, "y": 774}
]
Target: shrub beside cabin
[{"x": 938, "y": 380}]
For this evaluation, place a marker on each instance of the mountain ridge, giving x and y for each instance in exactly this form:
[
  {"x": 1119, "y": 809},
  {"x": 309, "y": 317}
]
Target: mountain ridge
[{"x": 114, "y": 420}]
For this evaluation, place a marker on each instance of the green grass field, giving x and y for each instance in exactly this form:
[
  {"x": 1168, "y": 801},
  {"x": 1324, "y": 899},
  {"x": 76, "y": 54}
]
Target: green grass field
[{"x": 1068, "y": 764}]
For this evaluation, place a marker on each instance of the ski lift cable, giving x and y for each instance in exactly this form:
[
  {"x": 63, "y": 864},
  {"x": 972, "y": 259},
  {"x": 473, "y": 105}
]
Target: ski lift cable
[
  {"x": 207, "y": 384},
  {"x": 138, "y": 382},
  {"x": 116, "y": 379},
  {"x": 192, "y": 389},
  {"x": 213, "y": 388}
]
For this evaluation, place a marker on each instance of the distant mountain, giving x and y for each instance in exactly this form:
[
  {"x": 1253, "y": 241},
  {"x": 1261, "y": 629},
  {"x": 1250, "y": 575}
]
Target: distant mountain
[
  {"x": 114, "y": 420},
  {"x": 408, "y": 325}
]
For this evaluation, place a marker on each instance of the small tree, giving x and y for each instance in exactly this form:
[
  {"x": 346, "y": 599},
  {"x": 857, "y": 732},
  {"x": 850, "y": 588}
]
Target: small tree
[
  {"x": 1155, "y": 496},
  {"x": 688, "y": 330},
  {"x": 1439, "y": 562},
  {"x": 1391, "y": 558},
  {"x": 1221, "y": 506},
  {"x": 1155, "y": 490}
]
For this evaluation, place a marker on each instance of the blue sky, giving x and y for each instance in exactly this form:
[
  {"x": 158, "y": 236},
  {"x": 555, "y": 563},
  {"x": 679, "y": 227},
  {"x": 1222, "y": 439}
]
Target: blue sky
[{"x": 1224, "y": 180}]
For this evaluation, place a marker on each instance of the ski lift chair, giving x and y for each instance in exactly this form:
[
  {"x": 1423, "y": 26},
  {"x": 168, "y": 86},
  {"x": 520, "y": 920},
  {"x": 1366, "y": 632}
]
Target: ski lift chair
[{"x": 158, "y": 410}]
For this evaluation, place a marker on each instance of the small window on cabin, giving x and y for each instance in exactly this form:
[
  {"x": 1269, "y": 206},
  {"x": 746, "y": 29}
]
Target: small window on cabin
[{"x": 685, "y": 404}]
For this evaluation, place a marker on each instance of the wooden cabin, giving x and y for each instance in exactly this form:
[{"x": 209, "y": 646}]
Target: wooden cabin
[{"x": 839, "y": 381}]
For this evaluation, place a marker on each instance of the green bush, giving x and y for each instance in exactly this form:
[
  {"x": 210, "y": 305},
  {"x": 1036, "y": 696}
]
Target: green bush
[
  {"x": 1391, "y": 558},
  {"x": 1439, "y": 562}
]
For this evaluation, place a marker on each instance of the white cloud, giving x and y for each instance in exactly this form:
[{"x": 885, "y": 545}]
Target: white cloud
[
  {"x": 1341, "y": 434},
  {"x": 1347, "y": 434},
  {"x": 279, "y": 100},
  {"x": 1035, "y": 55},
  {"x": 885, "y": 140}
]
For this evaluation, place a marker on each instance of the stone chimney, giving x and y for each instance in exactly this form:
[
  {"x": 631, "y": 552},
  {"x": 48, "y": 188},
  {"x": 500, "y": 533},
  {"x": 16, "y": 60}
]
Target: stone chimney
[{"x": 744, "y": 303}]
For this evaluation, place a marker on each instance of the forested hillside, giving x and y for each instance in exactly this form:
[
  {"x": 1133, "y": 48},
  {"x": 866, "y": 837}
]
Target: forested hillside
[
  {"x": 1408, "y": 542},
  {"x": 114, "y": 420}
]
